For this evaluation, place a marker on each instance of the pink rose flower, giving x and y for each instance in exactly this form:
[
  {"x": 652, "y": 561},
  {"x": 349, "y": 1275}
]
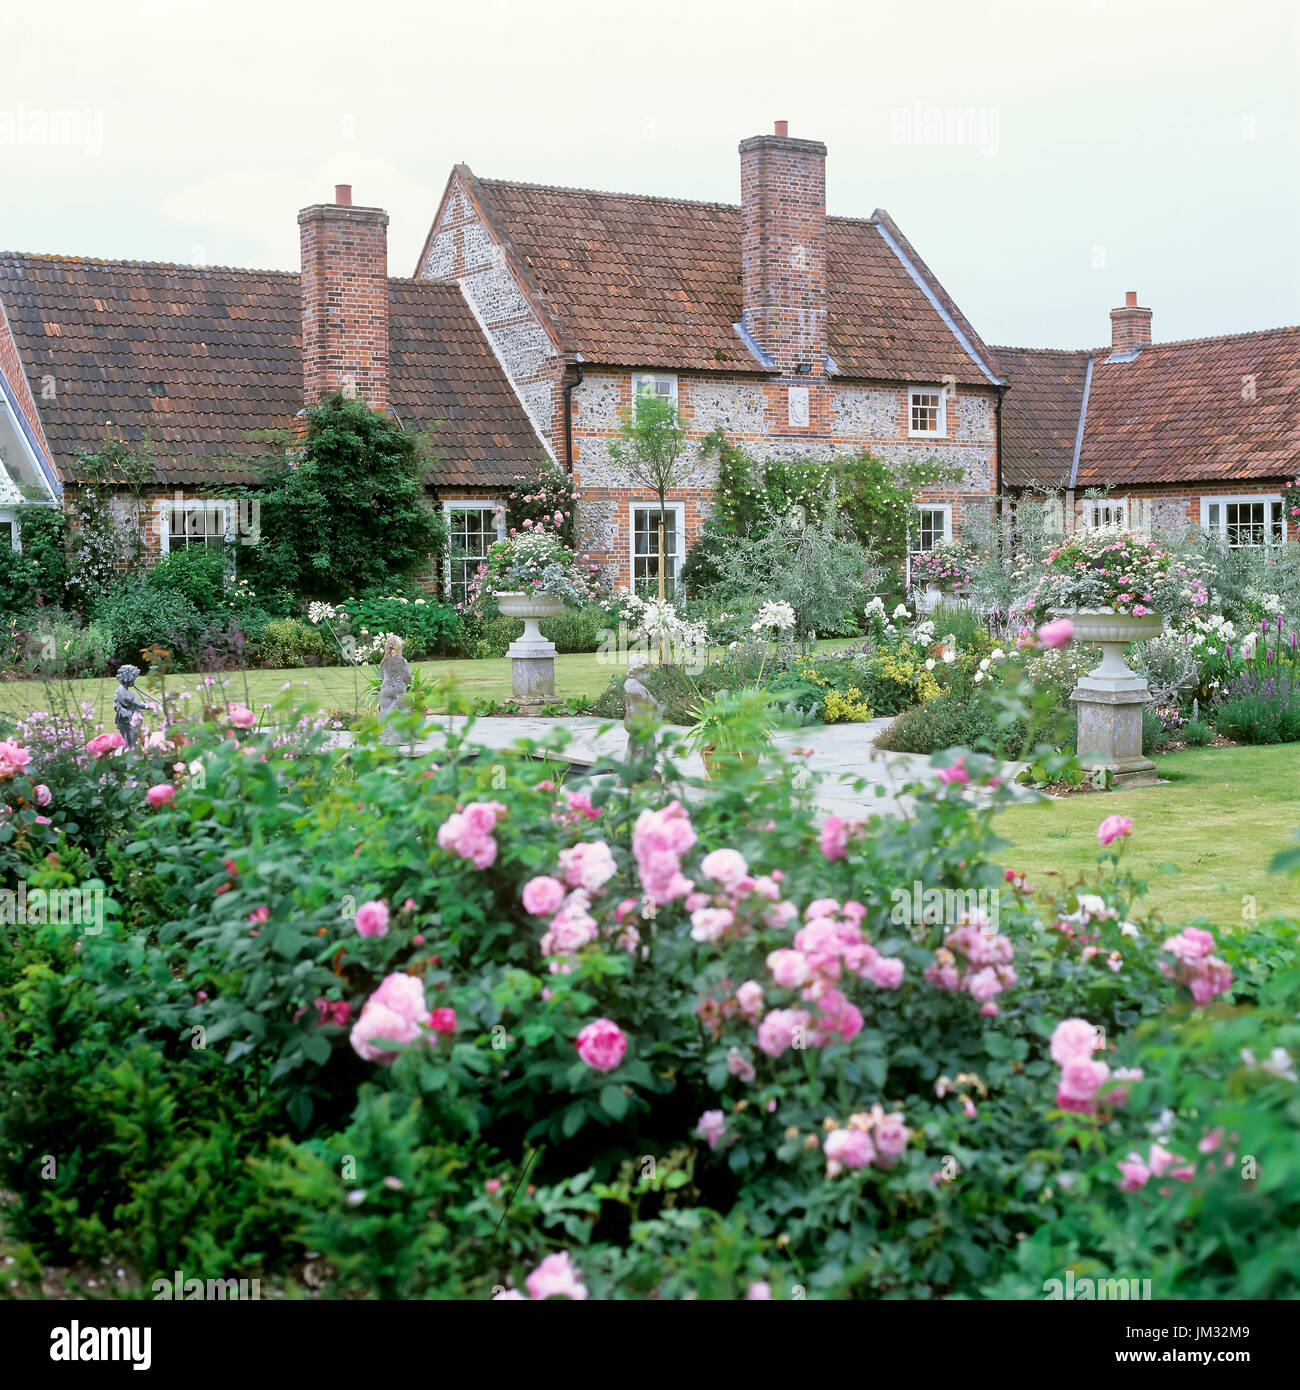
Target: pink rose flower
[
  {"x": 443, "y": 1020},
  {"x": 780, "y": 1029},
  {"x": 543, "y": 895},
  {"x": 886, "y": 972},
  {"x": 160, "y": 795},
  {"x": 1056, "y": 634},
  {"x": 758, "y": 1290},
  {"x": 750, "y": 998},
  {"x": 739, "y": 1065},
  {"x": 848, "y": 1148},
  {"x": 588, "y": 865},
  {"x": 556, "y": 1277},
  {"x": 242, "y": 717},
  {"x": 13, "y": 759},
  {"x": 101, "y": 744},
  {"x": 601, "y": 1044},
  {"x": 835, "y": 837},
  {"x": 956, "y": 775},
  {"x": 372, "y": 919},
  {"x": 709, "y": 923},
  {"x": 1134, "y": 1174},
  {"x": 1074, "y": 1040},
  {"x": 1114, "y": 828},
  {"x": 42, "y": 794},
  {"x": 712, "y": 1128},
  {"x": 789, "y": 968},
  {"x": 394, "y": 1011},
  {"x": 724, "y": 866}
]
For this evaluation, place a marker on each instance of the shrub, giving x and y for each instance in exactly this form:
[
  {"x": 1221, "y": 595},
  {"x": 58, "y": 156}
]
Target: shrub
[
  {"x": 351, "y": 514},
  {"x": 197, "y": 574},
  {"x": 961, "y": 717},
  {"x": 138, "y": 615},
  {"x": 1154, "y": 734},
  {"x": 18, "y": 575},
  {"x": 425, "y": 626},
  {"x": 44, "y": 531},
  {"x": 291, "y": 642}
]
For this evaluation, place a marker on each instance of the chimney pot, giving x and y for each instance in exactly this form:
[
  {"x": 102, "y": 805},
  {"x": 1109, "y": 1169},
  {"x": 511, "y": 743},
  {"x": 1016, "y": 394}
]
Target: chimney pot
[
  {"x": 1130, "y": 299},
  {"x": 343, "y": 195},
  {"x": 783, "y": 128}
]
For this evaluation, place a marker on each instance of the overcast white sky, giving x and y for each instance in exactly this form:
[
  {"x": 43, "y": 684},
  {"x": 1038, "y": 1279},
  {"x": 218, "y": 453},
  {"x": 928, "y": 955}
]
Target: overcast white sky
[{"x": 1087, "y": 146}]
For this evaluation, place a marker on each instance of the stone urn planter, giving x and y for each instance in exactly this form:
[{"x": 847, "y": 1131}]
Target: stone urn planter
[
  {"x": 532, "y": 657},
  {"x": 1109, "y": 699}
]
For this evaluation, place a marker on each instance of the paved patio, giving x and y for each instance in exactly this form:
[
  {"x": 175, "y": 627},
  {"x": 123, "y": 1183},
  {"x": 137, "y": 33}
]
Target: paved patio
[{"x": 852, "y": 777}]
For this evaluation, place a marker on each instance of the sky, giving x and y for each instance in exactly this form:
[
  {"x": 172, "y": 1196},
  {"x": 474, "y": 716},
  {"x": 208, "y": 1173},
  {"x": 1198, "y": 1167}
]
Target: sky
[{"x": 1042, "y": 156}]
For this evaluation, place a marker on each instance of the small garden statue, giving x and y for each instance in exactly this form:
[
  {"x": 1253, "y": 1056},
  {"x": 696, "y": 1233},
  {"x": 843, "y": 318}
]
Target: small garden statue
[
  {"x": 126, "y": 701},
  {"x": 641, "y": 712},
  {"x": 395, "y": 677}
]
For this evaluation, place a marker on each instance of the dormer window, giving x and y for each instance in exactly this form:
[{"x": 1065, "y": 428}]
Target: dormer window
[{"x": 926, "y": 412}]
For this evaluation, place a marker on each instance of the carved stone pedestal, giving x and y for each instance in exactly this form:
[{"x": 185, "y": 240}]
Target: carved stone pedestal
[
  {"x": 532, "y": 657},
  {"x": 1110, "y": 734}
]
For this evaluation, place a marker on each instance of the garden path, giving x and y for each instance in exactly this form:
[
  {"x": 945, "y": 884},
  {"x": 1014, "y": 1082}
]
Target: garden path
[{"x": 852, "y": 777}]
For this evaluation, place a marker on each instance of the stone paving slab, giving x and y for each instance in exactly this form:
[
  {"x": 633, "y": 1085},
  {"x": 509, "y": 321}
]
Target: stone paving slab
[{"x": 853, "y": 777}]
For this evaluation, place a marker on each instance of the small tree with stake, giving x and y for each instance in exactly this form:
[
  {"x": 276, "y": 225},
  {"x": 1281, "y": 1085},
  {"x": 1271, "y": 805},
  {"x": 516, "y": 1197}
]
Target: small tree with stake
[{"x": 650, "y": 446}]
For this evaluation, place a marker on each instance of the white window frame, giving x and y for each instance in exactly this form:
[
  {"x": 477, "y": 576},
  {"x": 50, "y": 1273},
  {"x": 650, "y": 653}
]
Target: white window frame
[
  {"x": 1093, "y": 506},
  {"x": 640, "y": 378},
  {"x": 941, "y": 416},
  {"x": 11, "y": 516},
  {"x": 678, "y": 560},
  {"x": 496, "y": 505},
  {"x": 1223, "y": 501},
  {"x": 918, "y": 508},
  {"x": 169, "y": 506}
]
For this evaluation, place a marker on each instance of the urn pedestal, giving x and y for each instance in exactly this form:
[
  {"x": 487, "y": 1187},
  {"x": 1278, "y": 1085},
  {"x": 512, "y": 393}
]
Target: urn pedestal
[
  {"x": 532, "y": 657},
  {"x": 1110, "y": 698}
]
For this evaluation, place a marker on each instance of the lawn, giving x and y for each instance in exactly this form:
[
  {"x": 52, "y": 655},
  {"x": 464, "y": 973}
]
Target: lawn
[
  {"x": 1221, "y": 819},
  {"x": 323, "y": 687}
]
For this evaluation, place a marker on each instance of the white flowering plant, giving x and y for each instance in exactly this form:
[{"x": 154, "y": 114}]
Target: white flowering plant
[{"x": 533, "y": 560}]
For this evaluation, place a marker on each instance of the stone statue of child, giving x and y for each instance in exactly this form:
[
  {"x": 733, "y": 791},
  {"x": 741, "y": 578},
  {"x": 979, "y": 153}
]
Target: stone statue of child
[
  {"x": 126, "y": 701},
  {"x": 395, "y": 678},
  {"x": 641, "y": 712}
]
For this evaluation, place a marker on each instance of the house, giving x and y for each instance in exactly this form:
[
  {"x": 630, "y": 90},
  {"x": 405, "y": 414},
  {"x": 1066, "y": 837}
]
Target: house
[
  {"x": 1167, "y": 437},
  {"x": 801, "y": 335},
  {"x": 197, "y": 363}
]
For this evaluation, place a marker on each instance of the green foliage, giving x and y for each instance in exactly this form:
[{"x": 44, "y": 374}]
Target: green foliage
[
  {"x": 351, "y": 515},
  {"x": 292, "y": 642},
  {"x": 44, "y": 532},
  {"x": 1197, "y": 733},
  {"x": 18, "y": 577},
  {"x": 137, "y": 615},
  {"x": 104, "y": 518},
  {"x": 733, "y": 725},
  {"x": 197, "y": 574},
  {"x": 426, "y": 628}
]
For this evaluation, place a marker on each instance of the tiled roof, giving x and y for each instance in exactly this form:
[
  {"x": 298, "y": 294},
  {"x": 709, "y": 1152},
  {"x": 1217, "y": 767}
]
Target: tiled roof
[
  {"x": 1207, "y": 410},
  {"x": 1040, "y": 414},
  {"x": 638, "y": 281},
  {"x": 197, "y": 360},
  {"x": 443, "y": 373}
]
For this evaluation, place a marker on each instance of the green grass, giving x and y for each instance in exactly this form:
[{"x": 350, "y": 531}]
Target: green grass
[
  {"x": 322, "y": 687},
  {"x": 579, "y": 674},
  {"x": 1224, "y": 815}
]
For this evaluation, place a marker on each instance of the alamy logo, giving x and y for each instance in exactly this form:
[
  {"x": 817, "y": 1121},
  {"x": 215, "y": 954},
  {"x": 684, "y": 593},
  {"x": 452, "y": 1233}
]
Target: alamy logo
[
  {"x": 179, "y": 1288},
  {"x": 76, "y": 907},
  {"x": 1107, "y": 1290},
  {"x": 77, "y": 1343},
  {"x": 919, "y": 124},
  {"x": 945, "y": 907}
]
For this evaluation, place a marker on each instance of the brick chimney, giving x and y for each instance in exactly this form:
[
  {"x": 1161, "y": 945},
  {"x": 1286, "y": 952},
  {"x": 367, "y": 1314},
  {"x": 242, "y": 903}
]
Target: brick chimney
[
  {"x": 783, "y": 248},
  {"x": 1130, "y": 327},
  {"x": 344, "y": 300}
]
